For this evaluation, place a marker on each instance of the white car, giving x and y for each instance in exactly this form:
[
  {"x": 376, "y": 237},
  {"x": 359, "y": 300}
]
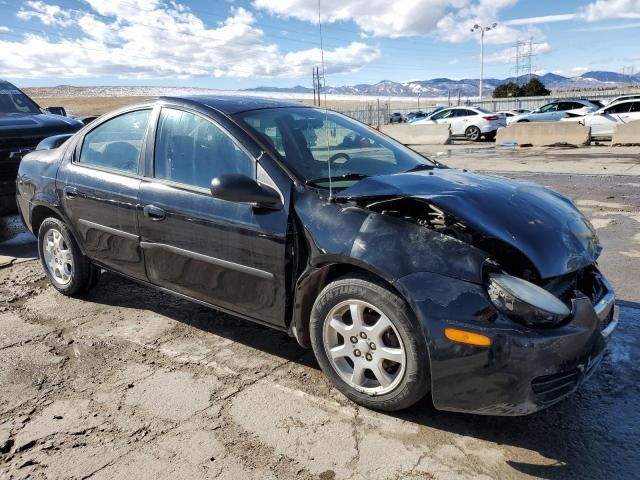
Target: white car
[
  {"x": 557, "y": 110},
  {"x": 470, "y": 122},
  {"x": 624, "y": 97},
  {"x": 603, "y": 122}
]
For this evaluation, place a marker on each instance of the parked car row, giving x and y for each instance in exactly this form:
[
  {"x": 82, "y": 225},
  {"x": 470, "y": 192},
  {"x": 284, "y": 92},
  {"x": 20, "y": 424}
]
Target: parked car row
[
  {"x": 557, "y": 110},
  {"x": 603, "y": 121}
]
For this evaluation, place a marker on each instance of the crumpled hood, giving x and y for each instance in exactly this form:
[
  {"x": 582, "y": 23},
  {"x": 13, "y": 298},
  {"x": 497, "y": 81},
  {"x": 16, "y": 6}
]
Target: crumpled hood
[
  {"x": 544, "y": 225},
  {"x": 14, "y": 125}
]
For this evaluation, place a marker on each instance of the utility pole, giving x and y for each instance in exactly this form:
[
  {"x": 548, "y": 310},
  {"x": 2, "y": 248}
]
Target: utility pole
[
  {"x": 314, "y": 86},
  {"x": 482, "y": 31}
]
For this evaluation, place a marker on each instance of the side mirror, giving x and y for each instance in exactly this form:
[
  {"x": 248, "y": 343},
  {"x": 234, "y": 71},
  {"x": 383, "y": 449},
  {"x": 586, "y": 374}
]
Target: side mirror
[
  {"x": 57, "y": 111},
  {"x": 243, "y": 189}
]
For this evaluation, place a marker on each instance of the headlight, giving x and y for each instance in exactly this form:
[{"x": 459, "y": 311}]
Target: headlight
[{"x": 525, "y": 301}]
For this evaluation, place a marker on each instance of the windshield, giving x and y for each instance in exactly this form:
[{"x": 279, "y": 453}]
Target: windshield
[
  {"x": 14, "y": 101},
  {"x": 312, "y": 140}
]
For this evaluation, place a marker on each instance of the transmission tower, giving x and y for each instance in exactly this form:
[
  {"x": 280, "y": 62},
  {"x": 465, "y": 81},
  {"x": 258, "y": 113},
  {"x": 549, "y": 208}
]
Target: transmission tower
[{"x": 524, "y": 59}]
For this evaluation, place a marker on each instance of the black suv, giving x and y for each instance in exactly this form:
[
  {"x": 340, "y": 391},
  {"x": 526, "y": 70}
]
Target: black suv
[
  {"x": 23, "y": 124},
  {"x": 404, "y": 276}
]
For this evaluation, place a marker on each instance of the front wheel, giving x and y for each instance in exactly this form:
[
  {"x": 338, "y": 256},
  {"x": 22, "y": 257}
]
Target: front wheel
[
  {"x": 369, "y": 344},
  {"x": 69, "y": 271},
  {"x": 472, "y": 133}
]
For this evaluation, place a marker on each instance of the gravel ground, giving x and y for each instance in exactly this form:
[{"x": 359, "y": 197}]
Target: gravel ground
[{"x": 132, "y": 383}]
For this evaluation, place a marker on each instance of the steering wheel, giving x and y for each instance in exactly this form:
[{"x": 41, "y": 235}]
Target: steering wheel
[{"x": 333, "y": 158}]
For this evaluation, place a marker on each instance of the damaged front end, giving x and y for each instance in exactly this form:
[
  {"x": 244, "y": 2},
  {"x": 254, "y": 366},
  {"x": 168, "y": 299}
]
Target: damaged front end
[{"x": 539, "y": 297}]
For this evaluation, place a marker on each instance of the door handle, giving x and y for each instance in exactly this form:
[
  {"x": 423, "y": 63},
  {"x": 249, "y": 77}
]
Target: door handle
[
  {"x": 70, "y": 192},
  {"x": 154, "y": 213}
]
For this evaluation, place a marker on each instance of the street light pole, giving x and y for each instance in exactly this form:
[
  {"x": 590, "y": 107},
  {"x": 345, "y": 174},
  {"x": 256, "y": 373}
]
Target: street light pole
[{"x": 482, "y": 31}]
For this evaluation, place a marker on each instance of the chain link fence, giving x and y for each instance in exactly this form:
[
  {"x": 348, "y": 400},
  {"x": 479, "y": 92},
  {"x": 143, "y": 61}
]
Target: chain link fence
[{"x": 378, "y": 113}]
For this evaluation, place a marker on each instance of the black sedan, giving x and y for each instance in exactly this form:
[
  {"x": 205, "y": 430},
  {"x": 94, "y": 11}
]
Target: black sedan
[{"x": 404, "y": 276}]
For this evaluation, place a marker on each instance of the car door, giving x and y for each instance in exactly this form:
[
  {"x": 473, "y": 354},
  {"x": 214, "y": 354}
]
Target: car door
[
  {"x": 547, "y": 113},
  {"x": 463, "y": 119},
  {"x": 443, "y": 116},
  {"x": 230, "y": 255},
  {"x": 605, "y": 122},
  {"x": 633, "y": 114},
  {"x": 98, "y": 186}
]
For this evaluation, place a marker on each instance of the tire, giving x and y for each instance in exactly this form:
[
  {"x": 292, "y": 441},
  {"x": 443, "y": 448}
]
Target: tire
[
  {"x": 404, "y": 382},
  {"x": 472, "y": 133},
  {"x": 68, "y": 270}
]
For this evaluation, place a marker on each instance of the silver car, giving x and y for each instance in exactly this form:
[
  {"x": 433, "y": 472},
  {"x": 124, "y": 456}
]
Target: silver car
[{"x": 557, "y": 110}]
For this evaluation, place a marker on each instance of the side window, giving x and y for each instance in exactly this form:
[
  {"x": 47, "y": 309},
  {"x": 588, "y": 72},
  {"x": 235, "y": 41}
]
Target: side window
[
  {"x": 116, "y": 144},
  {"x": 192, "y": 150},
  {"x": 551, "y": 107},
  {"x": 461, "y": 112},
  {"x": 442, "y": 115},
  {"x": 635, "y": 107},
  {"x": 619, "y": 108}
]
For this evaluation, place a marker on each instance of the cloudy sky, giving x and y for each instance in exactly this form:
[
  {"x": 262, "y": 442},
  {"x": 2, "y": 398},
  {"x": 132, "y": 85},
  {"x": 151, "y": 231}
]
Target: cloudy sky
[{"x": 245, "y": 43}]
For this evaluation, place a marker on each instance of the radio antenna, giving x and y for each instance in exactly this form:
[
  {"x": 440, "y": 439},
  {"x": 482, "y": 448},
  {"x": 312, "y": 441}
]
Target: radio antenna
[{"x": 326, "y": 112}]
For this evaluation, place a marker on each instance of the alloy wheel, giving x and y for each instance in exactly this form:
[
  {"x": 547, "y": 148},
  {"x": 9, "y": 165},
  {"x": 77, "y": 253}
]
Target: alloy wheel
[
  {"x": 57, "y": 256},
  {"x": 364, "y": 347},
  {"x": 473, "y": 133}
]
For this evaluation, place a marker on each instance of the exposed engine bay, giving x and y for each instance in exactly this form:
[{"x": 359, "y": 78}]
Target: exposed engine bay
[{"x": 505, "y": 257}]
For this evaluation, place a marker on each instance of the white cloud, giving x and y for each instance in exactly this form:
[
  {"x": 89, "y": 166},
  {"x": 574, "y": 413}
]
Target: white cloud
[
  {"x": 448, "y": 20},
  {"x": 154, "y": 39},
  {"x": 509, "y": 54},
  {"x": 545, "y": 19},
  {"x": 604, "y": 9},
  {"x": 4, "y": 29},
  {"x": 47, "y": 14}
]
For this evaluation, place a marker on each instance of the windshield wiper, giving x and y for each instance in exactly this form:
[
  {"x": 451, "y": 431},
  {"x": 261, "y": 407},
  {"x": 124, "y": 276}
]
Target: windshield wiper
[
  {"x": 346, "y": 176},
  {"x": 420, "y": 167}
]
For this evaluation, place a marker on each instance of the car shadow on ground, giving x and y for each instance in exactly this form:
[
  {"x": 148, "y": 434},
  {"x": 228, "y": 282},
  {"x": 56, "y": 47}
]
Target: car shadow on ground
[{"x": 576, "y": 438}]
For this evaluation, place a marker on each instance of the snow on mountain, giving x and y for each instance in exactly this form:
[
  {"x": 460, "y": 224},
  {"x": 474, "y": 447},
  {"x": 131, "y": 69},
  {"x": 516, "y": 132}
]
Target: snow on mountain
[{"x": 443, "y": 87}]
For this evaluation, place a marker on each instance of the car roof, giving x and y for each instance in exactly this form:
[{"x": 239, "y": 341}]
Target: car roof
[
  {"x": 5, "y": 84},
  {"x": 230, "y": 105}
]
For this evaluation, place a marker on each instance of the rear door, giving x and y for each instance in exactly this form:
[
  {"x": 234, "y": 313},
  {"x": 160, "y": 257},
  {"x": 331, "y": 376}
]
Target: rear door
[
  {"x": 99, "y": 191},
  {"x": 462, "y": 120},
  {"x": 228, "y": 254}
]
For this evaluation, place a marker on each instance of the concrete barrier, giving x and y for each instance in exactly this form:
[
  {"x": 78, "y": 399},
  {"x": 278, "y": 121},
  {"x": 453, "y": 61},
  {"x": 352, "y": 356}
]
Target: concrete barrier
[
  {"x": 432, "y": 134},
  {"x": 627, "y": 134},
  {"x": 545, "y": 134}
]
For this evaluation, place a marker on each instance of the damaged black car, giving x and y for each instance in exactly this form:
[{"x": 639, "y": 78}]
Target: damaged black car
[{"x": 406, "y": 278}]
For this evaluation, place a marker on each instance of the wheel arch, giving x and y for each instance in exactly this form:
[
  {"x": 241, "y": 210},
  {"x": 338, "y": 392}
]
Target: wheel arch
[
  {"x": 315, "y": 279},
  {"x": 40, "y": 212}
]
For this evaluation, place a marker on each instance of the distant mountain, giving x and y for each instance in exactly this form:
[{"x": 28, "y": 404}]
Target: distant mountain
[{"x": 468, "y": 87}]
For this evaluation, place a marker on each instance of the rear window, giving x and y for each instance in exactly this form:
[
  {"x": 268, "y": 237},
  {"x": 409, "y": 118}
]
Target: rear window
[{"x": 14, "y": 101}]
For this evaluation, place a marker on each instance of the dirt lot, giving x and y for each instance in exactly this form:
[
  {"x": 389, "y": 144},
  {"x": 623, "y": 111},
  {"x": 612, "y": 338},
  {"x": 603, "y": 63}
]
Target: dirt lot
[{"x": 131, "y": 383}]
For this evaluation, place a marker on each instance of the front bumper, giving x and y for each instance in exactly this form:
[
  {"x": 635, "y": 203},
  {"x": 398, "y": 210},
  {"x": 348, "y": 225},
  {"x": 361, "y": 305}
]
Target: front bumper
[{"x": 523, "y": 370}]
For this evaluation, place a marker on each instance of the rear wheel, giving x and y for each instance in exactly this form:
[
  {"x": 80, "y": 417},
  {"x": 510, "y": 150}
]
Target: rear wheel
[
  {"x": 69, "y": 271},
  {"x": 369, "y": 344},
  {"x": 472, "y": 133}
]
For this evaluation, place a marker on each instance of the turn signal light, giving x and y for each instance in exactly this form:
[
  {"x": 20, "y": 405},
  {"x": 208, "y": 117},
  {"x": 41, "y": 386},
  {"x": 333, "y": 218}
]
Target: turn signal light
[{"x": 470, "y": 338}]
